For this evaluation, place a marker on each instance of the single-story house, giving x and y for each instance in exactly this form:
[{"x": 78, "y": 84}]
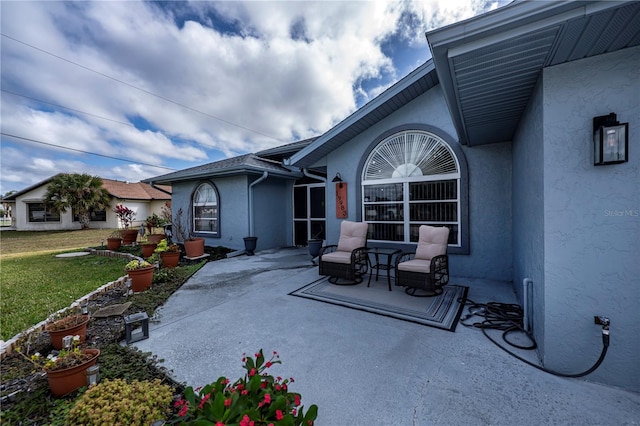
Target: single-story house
[
  {"x": 494, "y": 138},
  {"x": 29, "y": 212}
]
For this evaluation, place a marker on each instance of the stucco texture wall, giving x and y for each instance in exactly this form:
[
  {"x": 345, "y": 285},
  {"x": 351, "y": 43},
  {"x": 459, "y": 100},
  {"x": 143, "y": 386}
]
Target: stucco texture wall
[
  {"x": 233, "y": 207},
  {"x": 489, "y": 169},
  {"x": 592, "y": 219},
  {"x": 528, "y": 212},
  {"x": 273, "y": 213}
]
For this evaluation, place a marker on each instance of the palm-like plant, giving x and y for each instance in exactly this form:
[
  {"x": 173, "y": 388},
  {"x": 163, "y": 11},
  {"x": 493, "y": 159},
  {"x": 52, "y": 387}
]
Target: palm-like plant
[{"x": 80, "y": 192}]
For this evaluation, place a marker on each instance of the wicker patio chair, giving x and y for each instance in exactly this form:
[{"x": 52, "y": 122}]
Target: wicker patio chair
[
  {"x": 427, "y": 269},
  {"x": 348, "y": 259}
]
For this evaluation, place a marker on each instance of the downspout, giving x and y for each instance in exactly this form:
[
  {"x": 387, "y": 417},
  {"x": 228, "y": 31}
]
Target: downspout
[
  {"x": 526, "y": 302},
  {"x": 254, "y": 183},
  {"x": 312, "y": 176}
]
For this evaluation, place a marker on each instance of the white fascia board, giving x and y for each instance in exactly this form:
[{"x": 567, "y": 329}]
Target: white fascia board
[{"x": 381, "y": 99}]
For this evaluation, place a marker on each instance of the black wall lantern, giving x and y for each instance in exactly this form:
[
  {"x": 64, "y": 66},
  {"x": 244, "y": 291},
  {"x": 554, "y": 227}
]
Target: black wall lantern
[
  {"x": 337, "y": 179},
  {"x": 610, "y": 140}
]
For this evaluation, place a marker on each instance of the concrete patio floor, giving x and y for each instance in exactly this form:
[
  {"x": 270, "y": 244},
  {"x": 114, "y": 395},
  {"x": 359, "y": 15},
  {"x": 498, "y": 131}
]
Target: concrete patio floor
[{"x": 361, "y": 368}]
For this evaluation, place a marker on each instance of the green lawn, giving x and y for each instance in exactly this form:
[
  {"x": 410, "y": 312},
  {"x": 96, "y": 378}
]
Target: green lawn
[{"x": 33, "y": 286}]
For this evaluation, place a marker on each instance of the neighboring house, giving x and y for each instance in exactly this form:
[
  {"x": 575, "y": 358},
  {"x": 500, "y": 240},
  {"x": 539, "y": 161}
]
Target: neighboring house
[
  {"x": 493, "y": 138},
  {"x": 30, "y": 214}
]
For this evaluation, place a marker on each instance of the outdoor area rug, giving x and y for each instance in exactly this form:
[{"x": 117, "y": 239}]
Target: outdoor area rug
[{"x": 442, "y": 311}]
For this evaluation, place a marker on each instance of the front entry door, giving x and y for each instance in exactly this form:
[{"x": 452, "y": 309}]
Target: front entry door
[{"x": 309, "y": 216}]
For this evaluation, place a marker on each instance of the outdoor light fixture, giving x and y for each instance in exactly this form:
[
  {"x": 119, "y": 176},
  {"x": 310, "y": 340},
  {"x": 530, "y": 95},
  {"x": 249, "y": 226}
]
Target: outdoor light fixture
[
  {"x": 66, "y": 342},
  {"x": 337, "y": 179},
  {"x": 142, "y": 333},
  {"x": 84, "y": 308},
  {"x": 93, "y": 375},
  {"x": 610, "y": 140}
]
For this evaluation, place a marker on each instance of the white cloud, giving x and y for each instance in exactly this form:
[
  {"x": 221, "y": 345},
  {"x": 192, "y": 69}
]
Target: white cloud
[{"x": 276, "y": 70}]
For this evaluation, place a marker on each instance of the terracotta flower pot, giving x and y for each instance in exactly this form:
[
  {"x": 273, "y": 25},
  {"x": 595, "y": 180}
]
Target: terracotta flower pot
[
  {"x": 141, "y": 279},
  {"x": 148, "y": 249},
  {"x": 155, "y": 238},
  {"x": 114, "y": 243},
  {"x": 129, "y": 236},
  {"x": 69, "y": 326},
  {"x": 62, "y": 382},
  {"x": 194, "y": 247},
  {"x": 170, "y": 259}
]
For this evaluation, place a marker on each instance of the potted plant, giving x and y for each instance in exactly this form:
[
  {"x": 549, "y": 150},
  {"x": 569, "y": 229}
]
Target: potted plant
[
  {"x": 250, "y": 244},
  {"x": 148, "y": 247},
  {"x": 140, "y": 273},
  {"x": 114, "y": 241},
  {"x": 70, "y": 325},
  {"x": 154, "y": 225},
  {"x": 126, "y": 217},
  {"x": 66, "y": 371},
  {"x": 193, "y": 246},
  {"x": 169, "y": 253},
  {"x": 315, "y": 244},
  {"x": 257, "y": 398}
]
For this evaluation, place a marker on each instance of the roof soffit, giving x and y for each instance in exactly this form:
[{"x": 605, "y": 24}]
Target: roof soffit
[{"x": 489, "y": 65}]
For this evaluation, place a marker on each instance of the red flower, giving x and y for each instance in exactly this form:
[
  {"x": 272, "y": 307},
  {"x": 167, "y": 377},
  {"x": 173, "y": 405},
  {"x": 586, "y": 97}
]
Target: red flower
[
  {"x": 263, "y": 384},
  {"x": 279, "y": 415},
  {"x": 268, "y": 364},
  {"x": 296, "y": 400},
  {"x": 246, "y": 421},
  {"x": 252, "y": 372},
  {"x": 204, "y": 400},
  {"x": 267, "y": 399},
  {"x": 219, "y": 424},
  {"x": 183, "y": 410},
  {"x": 294, "y": 412},
  {"x": 277, "y": 387},
  {"x": 227, "y": 402}
]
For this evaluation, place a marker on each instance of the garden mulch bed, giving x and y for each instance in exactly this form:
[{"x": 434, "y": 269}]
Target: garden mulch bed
[{"x": 21, "y": 381}]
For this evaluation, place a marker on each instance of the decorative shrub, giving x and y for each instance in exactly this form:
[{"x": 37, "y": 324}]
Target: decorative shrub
[
  {"x": 257, "y": 399},
  {"x": 118, "y": 402}
]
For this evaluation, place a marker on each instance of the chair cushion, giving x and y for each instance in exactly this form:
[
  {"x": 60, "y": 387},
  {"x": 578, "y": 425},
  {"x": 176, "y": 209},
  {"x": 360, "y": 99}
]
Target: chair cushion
[
  {"x": 415, "y": 265},
  {"x": 432, "y": 242},
  {"x": 337, "y": 257},
  {"x": 353, "y": 235}
]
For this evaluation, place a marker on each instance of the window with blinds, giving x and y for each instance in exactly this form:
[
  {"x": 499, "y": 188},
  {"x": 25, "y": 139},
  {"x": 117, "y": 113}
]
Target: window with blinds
[
  {"x": 411, "y": 178},
  {"x": 205, "y": 209}
]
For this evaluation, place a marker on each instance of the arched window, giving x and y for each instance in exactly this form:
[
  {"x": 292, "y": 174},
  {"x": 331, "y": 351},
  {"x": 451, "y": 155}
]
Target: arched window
[
  {"x": 205, "y": 209},
  {"x": 411, "y": 178}
]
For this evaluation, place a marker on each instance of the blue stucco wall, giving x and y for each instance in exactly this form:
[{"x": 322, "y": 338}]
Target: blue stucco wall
[
  {"x": 489, "y": 169},
  {"x": 528, "y": 212},
  {"x": 233, "y": 202},
  {"x": 273, "y": 213},
  {"x": 591, "y": 219},
  {"x": 272, "y": 204}
]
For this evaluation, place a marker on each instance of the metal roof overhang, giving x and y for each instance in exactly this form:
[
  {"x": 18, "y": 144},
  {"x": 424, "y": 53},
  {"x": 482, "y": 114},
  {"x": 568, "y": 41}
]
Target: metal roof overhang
[
  {"x": 404, "y": 91},
  {"x": 489, "y": 65}
]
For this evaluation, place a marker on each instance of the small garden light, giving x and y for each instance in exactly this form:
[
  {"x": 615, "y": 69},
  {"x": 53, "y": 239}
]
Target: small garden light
[
  {"x": 66, "y": 342},
  {"x": 93, "y": 375}
]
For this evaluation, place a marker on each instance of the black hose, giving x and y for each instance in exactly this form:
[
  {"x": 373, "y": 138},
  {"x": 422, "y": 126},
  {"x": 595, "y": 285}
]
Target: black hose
[{"x": 509, "y": 317}]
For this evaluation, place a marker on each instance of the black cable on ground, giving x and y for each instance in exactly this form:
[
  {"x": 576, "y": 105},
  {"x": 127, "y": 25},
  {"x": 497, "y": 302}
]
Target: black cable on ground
[{"x": 509, "y": 318}]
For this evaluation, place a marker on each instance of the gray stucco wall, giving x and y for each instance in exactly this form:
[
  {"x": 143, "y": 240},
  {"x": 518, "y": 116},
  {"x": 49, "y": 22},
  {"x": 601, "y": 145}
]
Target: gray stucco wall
[
  {"x": 273, "y": 213},
  {"x": 592, "y": 219},
  {"x": 528, "y": 211},
  {"x": 489, "y": 169},
  {"x": 272, "y": 206},
  {"x": 233, "y": 204}
]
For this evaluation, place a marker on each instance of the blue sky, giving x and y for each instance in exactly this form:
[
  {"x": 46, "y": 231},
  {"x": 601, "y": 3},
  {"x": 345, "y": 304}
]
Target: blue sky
[{"x": 130, "y": 90}]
